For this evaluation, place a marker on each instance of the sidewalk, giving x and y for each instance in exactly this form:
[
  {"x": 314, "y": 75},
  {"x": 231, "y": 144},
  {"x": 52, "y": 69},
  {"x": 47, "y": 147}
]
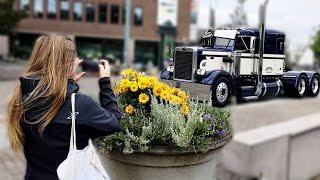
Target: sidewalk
[{"x": 12, "y": 165}]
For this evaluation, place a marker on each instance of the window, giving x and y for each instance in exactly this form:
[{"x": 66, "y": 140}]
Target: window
[
  {"x": 38, "y": 8},
  {"x": 124, "y": 15},
  {"x": 24, "y": 5},
  {"x": 102, "y": 13},
  {"x": 52, "y": 9},
  {"x": 64, "y": 11},
  {"x": 90, "y": 12},
  {"x": 280, "y": 46},
  {"x": 114, "y": 14},
  {"x": 138, "y": 14},
  {"x": 243, "y": 43},
  {"x": 77, "y": 11}
]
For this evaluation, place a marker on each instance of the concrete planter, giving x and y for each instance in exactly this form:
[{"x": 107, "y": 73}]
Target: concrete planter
[{"x": 163, "y": 163}]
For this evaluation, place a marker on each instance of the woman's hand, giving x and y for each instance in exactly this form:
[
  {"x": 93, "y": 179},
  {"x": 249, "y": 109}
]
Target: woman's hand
[
  {"x": 104, "y": 68},
  {"x": 76, "y": 77}
]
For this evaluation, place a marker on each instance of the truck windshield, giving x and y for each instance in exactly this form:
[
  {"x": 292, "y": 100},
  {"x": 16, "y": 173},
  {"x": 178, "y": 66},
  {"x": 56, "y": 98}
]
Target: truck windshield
[{"x": 217, "y": 42}]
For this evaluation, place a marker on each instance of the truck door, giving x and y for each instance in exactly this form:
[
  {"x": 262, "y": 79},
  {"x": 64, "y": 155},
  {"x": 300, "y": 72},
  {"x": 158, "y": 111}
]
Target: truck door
[{"x": 243, "y": 46}]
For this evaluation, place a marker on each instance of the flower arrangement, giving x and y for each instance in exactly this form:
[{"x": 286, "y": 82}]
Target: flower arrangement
[{"x": 156, "y": 114}]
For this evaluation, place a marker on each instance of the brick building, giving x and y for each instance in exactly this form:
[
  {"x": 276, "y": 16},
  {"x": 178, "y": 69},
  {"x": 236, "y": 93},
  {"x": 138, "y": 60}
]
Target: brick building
[{"x": 97, "y": 26}]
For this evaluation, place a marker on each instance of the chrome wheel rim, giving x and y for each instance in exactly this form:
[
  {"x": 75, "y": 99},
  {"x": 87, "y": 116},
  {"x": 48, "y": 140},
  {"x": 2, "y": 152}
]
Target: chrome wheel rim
[
  {"x": 315, "y": 85},
  {"x": 222, "y": 92},
  {"x": 302, "y": 86}
]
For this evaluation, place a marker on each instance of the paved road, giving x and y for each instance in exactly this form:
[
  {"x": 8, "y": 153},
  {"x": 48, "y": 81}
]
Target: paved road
[{"x": 244, "y": 116}]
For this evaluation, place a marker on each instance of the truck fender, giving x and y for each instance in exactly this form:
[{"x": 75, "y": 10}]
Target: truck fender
[
  {"x": 166, "y": 75},
  {"x": 212, "y": 76},
  {"x": 290, "y": 78},
  {"x": 310, "y": 75}
]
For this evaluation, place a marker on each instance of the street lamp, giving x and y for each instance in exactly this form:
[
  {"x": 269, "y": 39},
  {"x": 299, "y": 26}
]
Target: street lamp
[{"x": 127, "y": 37}]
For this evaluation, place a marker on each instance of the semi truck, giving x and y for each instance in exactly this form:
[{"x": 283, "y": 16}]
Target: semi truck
[
  {"x": 240, "y": 62},
  {"x": 244, "y": 62}
]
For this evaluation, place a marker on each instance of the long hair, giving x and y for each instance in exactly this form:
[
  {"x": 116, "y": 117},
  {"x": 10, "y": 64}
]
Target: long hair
[{"x": 51, "y": 62}]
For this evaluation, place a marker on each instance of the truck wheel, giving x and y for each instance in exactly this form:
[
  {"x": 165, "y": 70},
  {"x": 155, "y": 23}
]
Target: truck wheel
[
  {"x": 301, "y": 89},
  {"x": 221, "y": 92},
  {"x": 314, "y": 86}
]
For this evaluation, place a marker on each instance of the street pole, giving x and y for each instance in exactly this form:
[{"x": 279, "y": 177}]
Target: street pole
[{"x": 127, "y": 38}]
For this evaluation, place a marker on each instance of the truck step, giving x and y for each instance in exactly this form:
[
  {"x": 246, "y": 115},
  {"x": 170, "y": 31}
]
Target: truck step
[{"x": 250, "y": 98}]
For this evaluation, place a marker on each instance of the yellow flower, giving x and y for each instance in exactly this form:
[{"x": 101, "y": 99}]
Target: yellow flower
[
  {"x": 152, "y": 81},
  {"x": 129, "y": 109},
  {"x": 174, "y": 99},
  {"x": 164, "y": 94},
  {"x": 127, "y": 73},
  {"x": 134, "y": 86},
  {"x": 143, "y": 82},
  {"x": 185, "y": 109},
  {"x": 157, "y": 91},
  {"x": 143, "y": 98},
  {"x": 125, "y": 83},
  {"x": 119, "y": 89}
]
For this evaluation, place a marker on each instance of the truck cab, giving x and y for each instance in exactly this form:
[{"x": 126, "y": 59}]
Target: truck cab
[{"x": 229, "y": 62}]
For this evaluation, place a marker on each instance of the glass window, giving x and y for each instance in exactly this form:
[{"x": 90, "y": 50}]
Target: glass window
[
  {"x": 102, "y": 13},
  {"x": 114, "y": 14},
  {"x": 90, "y": 12},
  {"x": 243, "y": 43},
  {"x": 77, "y": 11},
  {"x": 124, "y": 15},
  {"x": 138, "y": 14},
  {"x": 24, "y": 5},
  {"x": 64, "y": 9},
  {"x": 52, "y": 9},
  {"x": 38, "y": 8}
]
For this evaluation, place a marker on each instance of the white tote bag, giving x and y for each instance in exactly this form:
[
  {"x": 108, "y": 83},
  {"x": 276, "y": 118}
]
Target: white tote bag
[{"x": 80, "y": 164}]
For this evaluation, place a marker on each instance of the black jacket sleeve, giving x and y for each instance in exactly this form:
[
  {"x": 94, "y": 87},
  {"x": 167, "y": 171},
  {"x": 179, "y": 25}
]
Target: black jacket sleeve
[
  {"x": 107, "y": 97},
  {"x": 101, "y": 119}
]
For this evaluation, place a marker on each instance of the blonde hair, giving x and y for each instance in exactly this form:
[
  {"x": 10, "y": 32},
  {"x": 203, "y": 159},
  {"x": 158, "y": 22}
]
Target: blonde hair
[{"x": 51, "y": 61}]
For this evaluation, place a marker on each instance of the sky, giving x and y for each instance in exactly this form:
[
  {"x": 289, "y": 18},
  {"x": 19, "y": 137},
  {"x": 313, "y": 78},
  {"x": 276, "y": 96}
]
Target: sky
[{"x": 299, "y": 19}]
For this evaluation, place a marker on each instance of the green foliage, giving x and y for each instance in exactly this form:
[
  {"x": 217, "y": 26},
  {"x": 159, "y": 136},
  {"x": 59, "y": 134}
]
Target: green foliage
[
  {"x": 8, "y": 17},
  {"x": 316, "y": 46},
  {"x": 166, "y": 126}
]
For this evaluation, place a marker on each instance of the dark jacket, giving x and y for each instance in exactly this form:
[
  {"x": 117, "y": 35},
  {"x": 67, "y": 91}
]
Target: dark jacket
[{"x": 44, "y": 152}]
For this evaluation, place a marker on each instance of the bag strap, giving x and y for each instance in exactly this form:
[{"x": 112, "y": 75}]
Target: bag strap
[{"x": 73, "y": 139}]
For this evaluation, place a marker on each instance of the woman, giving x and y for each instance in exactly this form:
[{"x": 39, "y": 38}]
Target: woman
[{"x": 39, "y": 113}]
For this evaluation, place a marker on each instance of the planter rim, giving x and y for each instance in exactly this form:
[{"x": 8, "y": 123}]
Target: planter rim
[
  {"x": 174, "y": 150},
  {"x": 164, "y": 156}
]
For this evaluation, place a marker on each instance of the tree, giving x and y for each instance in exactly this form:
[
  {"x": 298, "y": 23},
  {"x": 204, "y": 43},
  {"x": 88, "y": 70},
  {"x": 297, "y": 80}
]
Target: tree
[
  {"x": 239, "y": 17},
  {"x": 315, "y": 46},
  {"x": 8, "y": 16}
]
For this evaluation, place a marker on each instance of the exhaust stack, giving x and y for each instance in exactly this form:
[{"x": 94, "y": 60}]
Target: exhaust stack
[{"x": 263, "y": 8}]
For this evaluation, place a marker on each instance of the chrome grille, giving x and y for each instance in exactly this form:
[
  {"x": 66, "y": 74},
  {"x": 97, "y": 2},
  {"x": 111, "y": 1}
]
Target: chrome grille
[{"x": 183, "y": 65}]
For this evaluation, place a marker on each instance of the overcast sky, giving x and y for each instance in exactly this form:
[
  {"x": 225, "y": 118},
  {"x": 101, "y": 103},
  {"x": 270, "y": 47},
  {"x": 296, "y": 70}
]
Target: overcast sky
[{"x": 299, "y": 19}]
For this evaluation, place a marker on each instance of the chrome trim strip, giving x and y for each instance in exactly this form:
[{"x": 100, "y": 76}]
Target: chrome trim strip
[
  {"x": 265, "y": 89},
  {"x": 278, "y": 87}
]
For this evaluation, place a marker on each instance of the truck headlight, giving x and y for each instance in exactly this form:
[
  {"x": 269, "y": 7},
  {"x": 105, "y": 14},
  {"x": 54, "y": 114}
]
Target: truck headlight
[
  {"x": 170, "y": 68},
  {"x": 201, "y": 72}
]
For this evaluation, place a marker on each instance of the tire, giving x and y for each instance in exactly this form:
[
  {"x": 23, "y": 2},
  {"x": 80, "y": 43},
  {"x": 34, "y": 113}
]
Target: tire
[
  {"x": 314, "y": 87},
  {"x": 302, "y": 87},
  {"x": 221, "y": 92}
]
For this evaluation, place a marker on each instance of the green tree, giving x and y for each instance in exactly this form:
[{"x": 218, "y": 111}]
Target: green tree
[
  {"x": 8, "y": 16},
  {"x": 315, "y": 46}
]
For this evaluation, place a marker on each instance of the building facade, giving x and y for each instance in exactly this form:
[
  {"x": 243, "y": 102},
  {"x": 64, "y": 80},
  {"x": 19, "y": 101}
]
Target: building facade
[{"x": 97, "y": 26}]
